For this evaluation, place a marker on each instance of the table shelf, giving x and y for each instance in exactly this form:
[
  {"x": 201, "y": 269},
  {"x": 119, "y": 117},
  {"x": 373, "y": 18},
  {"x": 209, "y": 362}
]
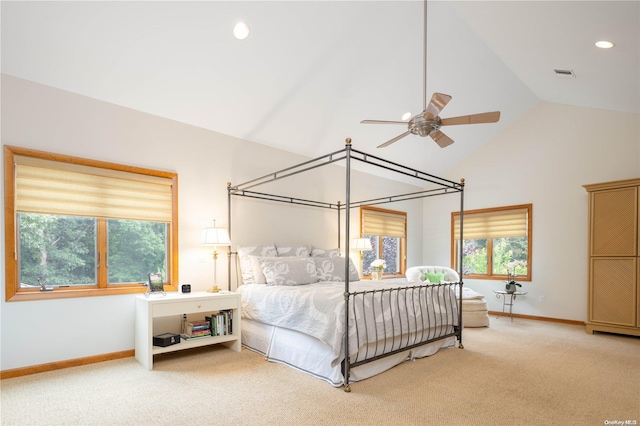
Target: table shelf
[{"x": 178, "y": 304}]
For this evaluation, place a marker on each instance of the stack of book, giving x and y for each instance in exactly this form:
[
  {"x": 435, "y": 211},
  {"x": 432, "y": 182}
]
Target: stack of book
[
  {"x": 195, "y": 329},
  {"x": 221, "y": 323}
]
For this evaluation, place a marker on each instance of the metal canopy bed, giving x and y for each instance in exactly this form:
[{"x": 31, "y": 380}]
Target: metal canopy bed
[{"x": 379, "y": 324}]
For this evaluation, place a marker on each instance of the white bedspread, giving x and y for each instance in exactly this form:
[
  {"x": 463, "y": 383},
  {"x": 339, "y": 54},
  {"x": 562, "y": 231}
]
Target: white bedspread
[{"x": 317, "y": 310}]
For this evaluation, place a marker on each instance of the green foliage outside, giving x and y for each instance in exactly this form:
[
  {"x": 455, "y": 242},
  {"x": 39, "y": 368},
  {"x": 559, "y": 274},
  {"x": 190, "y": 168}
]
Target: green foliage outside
[
  {"x": 136, "y": 249},
  {"x": 505, "y": 250},
  {"x": 62, "y": 250},
  {"x": 58, "y": 250}
]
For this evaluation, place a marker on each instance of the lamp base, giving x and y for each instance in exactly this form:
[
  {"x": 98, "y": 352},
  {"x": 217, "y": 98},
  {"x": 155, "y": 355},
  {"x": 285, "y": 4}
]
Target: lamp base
[{"x": 214, "y": 289}]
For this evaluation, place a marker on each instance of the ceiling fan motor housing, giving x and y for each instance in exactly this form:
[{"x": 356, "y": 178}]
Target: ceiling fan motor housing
[{"x": 419, "y": 125}]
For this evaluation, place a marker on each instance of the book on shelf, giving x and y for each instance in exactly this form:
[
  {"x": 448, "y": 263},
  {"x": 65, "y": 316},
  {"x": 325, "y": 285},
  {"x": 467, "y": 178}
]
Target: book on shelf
[
  {"x": 221, "y": 323},
  {"x": 195, "y": 336},
  {"x": 199, "y": 328}
]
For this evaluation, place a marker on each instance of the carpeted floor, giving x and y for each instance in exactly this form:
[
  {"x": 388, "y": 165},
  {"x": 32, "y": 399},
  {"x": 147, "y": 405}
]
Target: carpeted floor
[{"x": 523, "y": 372}]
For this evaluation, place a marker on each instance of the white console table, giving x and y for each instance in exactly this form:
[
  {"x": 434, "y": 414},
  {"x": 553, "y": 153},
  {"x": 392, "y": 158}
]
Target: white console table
[{"x": 178, "y": 304}]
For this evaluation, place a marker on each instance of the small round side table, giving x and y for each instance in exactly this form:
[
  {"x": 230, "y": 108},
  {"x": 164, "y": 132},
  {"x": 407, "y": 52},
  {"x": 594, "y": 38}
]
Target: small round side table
[{"x": 511, "y": 297}]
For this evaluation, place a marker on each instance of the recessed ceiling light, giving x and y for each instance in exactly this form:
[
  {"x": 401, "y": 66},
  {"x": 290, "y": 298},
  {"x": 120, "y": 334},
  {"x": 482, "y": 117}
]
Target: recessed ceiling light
[
  {"x": 241, "y": 30},
  {"x": 406, "y": 116},
  {"x": 603, "y": 44}
]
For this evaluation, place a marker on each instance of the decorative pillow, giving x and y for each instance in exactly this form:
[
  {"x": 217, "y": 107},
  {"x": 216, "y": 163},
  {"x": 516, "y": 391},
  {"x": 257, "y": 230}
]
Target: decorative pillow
[
  {"x": 297, "y": 251},
  {"x": 258, "y": 275},
  {"x": 245, "y": 253},
  {"x": 288, "y": 271},
  {"x": 317, "y": 252},
  {"x": 332, "y": 269},
  {"x": 434, "y": 278}
]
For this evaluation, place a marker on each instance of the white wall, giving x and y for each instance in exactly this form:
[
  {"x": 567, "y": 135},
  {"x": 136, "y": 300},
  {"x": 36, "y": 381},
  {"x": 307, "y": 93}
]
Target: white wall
[
  {"x": 43, "y": 118},
  {"x": 543, "y": 159}
]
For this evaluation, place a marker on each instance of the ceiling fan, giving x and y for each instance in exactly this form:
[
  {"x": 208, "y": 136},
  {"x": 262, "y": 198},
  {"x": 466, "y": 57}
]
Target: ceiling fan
[{"x": 428, "y": 122}]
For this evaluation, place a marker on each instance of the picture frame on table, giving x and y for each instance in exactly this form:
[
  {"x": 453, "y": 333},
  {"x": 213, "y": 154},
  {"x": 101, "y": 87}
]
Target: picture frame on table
[{"x": 156, "y": 285}]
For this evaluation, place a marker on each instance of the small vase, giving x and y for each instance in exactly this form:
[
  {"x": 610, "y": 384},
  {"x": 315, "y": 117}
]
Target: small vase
[
  {"x": 376, "y": 276},
  {"x": 511, "y": 288}
]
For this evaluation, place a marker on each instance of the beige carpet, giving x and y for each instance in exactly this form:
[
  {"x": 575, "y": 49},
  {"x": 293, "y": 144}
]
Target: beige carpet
[{"x": 521, "y": 373}]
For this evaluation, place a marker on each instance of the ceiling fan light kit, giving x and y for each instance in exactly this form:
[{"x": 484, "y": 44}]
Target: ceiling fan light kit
[
  {"x": 428, "y": 122},
  {"x": 604, "y": 44}
]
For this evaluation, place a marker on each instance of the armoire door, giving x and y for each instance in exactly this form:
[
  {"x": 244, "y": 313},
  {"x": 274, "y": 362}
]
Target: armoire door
[{"x": 613, "y": 291}]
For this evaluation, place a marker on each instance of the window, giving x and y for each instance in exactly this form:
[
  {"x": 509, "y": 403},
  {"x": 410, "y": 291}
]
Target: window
[
  {"x": 387, "y": 230},
  {"x": 493, "y": 238},
  {"x": 86, "y": 228}
]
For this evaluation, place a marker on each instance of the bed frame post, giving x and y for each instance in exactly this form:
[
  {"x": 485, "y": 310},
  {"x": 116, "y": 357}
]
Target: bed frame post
[
  {"x": 460, "y": 256},
  {"x": 339, "y": 206},
  {"x": 347, "y": 387},
  {"x": 229, "y": 230}
]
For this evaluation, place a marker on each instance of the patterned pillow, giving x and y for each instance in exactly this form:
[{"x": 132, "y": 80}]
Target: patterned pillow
[
  {"x": 332, "y": 269},
  {"x": 298, "y": 251},
  {"x": 317, "y": 252},
  {"x": 289, "y": 271},
  {"x": 245, "y": 253}
]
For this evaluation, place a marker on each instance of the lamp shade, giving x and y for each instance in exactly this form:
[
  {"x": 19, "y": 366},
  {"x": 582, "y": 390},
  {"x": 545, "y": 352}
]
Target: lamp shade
[
  {"x": 362, "y": 244},
  {"x": 215, "y": 236}
]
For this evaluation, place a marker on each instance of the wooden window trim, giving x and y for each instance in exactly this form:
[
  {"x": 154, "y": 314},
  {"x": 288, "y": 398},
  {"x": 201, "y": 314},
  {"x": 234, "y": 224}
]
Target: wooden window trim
[
  {"x": 490, "y": 275},
  {"x": 403, "y": 241},
  {"x": 14, "y": 293}
]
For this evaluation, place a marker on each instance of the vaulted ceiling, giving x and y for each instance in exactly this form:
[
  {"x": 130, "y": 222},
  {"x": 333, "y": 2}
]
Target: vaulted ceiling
[{"x": 310, "y": 71}]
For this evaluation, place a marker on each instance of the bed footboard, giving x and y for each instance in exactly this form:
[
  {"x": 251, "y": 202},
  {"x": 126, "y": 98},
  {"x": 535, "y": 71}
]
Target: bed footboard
[{"x": 387, "y": 321}]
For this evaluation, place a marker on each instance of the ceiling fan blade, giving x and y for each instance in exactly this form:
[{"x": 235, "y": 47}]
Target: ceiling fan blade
[
  {"x": 485, "y": 117},
  {"x": 441, "y": 139},
  {"x": 438, "y": 102},
  {"x": 382, "y": 122},
  {"x": 397, "y": 138}
]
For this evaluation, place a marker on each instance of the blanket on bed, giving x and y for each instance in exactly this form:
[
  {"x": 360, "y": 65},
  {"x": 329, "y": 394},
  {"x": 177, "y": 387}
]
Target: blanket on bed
[{"x": 317, "y": 310}]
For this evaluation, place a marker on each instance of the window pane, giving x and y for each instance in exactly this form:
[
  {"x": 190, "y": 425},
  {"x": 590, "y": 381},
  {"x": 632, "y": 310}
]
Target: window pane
[
  {"x": 506, "y": 250},
  {"x": 136, "y": 249},
  {"x": 58, "y": 250},
  {"x": 391, "y": 254},
  {"x": 370, "y": 255},
  {"x": 474, "y": 257}
]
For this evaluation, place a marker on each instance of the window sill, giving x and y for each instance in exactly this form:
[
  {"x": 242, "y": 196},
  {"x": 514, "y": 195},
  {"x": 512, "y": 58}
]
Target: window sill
[
  {"x": 66, "y": 293},
  {"x": 384, "y": 277}
]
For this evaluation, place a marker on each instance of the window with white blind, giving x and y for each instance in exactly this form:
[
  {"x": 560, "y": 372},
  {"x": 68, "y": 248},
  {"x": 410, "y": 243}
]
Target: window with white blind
[
  {"x": 82, "y": 227},
  {"x": 494, "y": 239},
  {"x": 387, "y": 231}
]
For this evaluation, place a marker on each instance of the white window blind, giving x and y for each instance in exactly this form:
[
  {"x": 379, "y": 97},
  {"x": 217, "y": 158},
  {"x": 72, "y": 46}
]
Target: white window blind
[
  {"x": 493, "y": 224},
  {"x": 375, "y": 222},
  {"x": 55, "y": 187}
]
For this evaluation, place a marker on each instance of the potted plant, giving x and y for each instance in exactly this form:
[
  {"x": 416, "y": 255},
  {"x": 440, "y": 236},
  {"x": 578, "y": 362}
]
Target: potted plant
[
  {"x": 511, "y": 286},
  {"x": 377, "y": 269}
]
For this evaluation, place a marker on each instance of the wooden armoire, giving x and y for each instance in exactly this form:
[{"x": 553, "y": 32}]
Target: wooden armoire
[{"x": 614, "y": 257}]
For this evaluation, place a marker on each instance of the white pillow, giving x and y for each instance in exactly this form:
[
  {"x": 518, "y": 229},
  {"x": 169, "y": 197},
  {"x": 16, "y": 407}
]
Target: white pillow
[
  {"x": 332, "y": 269},
  {"x": 298, "y": 251},
  {"x": 317, "y": 252},
  {"x": 245, "y": 253},
  {"x": 288, "y": 270},
  {"x": 258, "y": 275}
]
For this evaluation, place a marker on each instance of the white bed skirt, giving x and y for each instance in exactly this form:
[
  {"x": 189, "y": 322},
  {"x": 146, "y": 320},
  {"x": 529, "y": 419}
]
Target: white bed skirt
[{"x": 309, "y": 355}]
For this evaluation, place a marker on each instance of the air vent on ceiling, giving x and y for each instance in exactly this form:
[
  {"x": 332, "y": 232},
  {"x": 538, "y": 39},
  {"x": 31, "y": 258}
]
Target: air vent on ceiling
[{"x": 564, "y": 73}]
